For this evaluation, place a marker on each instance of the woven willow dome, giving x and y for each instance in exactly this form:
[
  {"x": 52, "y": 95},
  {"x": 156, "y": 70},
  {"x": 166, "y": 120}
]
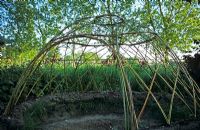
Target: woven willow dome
[{"x": 107, "y": 37}]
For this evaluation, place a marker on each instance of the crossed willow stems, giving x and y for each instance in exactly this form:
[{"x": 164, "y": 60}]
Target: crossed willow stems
[{"x": 132, "y": 120}]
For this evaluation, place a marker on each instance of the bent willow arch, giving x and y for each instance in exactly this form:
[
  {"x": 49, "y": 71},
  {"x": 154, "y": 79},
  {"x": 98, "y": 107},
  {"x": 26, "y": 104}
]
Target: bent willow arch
[{"x": 111, "y": 34}]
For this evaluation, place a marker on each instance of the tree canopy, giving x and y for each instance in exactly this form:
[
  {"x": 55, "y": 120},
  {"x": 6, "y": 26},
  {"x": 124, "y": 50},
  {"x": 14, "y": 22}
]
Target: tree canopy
[{"x": 29, "y": 25}]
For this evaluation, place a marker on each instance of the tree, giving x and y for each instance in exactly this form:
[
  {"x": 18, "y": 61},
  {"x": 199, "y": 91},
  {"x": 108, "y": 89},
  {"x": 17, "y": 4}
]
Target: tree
[
  {"x": 175, "y": 22},
  {"x": 85, "y": 58}
]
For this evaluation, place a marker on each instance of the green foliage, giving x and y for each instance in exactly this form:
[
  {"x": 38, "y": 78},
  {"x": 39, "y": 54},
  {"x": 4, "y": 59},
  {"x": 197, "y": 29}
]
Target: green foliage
[
  {"x": 8, "y": 80},
  {"x": 84, "y": 78},
  {"x": 164, "y": 25},
  {"x": 29, "y": 25},
  {"x": 87, "y": 57},
  {"x": 34, "y": 115}
]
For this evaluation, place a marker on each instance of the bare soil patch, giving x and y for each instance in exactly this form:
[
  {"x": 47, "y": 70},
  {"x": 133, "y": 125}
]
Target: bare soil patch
[{"x": 93, "y": 110}]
